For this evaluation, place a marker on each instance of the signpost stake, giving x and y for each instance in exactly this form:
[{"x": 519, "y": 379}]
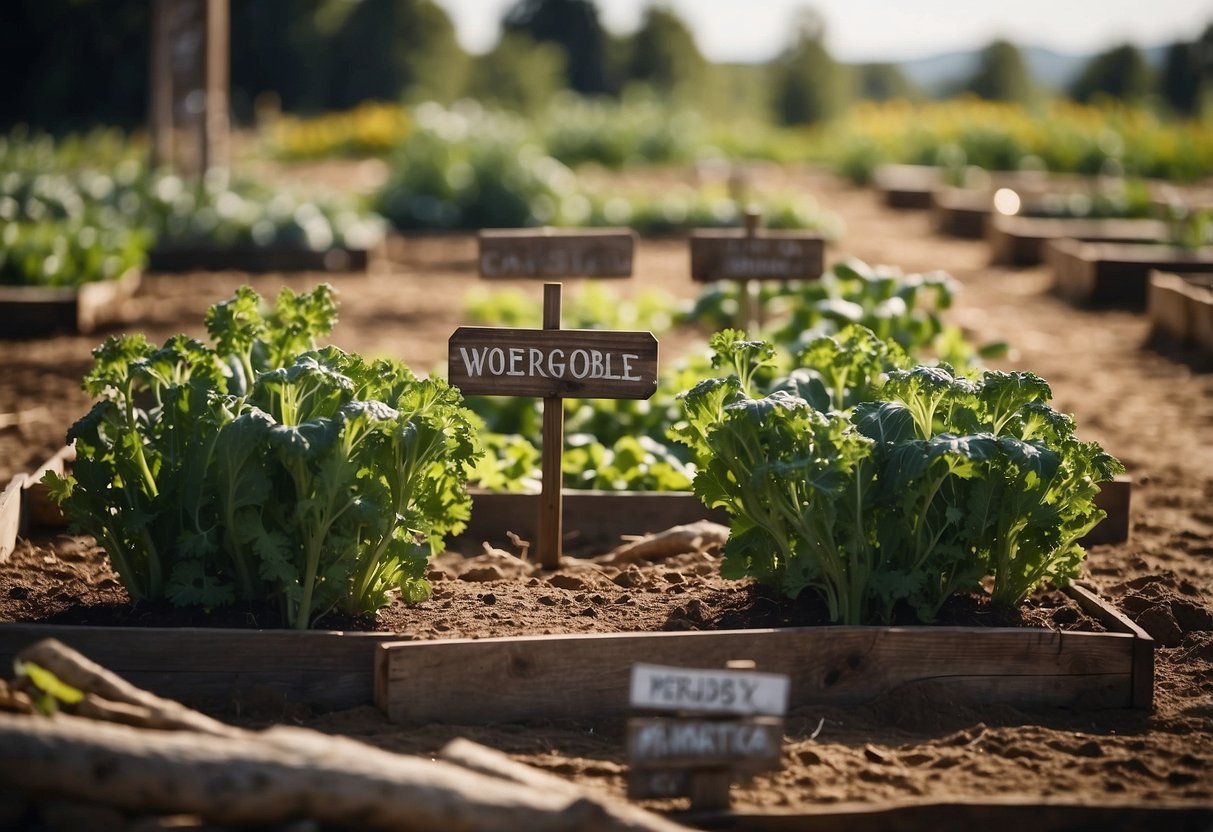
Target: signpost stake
[
  {"x": 551, "y": 496},
  {"x": 749, "y": 307}
]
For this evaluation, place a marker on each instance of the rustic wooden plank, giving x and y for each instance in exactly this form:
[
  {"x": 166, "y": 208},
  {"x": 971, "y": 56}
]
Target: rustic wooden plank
[
  {"x": 1116, "y": 274},
  {"x": 38, "y": 510},
  {"x": 10, "y": 515},
  {"x": 184, "y": 257},
  {"x": 1167, "y": 306},
  {"x": 907, "y": 186},
  {"x": 1114, "y": 497},
  {"x": 994, "y": 813},
  {"x": 962, "y": 212},
  {"x": 1143, "y": 647},
  {"x": 569, "y": 363},
  {"x": 735, "y": 254},
  {"x": 329, "y": 669},
  {"x": 556, "y": 252},
  {"x": 1018, "y": 240},
  {"x": 587, "y": 676},
  {"x": 27, "y": 311},
  {"x": 1199, "y": 297}
]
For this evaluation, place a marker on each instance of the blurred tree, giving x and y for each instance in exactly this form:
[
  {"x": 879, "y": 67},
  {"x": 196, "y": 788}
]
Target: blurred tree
[
  {"x": 1179, "y": 81},
  {"x": 73, "y": 64},
  {"x": 518, "y": 74},
  {"x": 1001, "y": 75},
  {"x": 1187, "y": 74},
  {"x": 282, "y": 47},
  {"x": 1121, "y": 72},
  {"x": 882, "y": 82},
  {"x": 573, "y": 25},
  {"x": 808, "y": 84},
  {"x": 387, "y": 46},
  {"x": 664, "y": 53}
]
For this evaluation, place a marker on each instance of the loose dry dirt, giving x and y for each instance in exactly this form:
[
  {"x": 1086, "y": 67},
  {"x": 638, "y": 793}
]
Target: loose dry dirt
[{"x": 1152, "y": 410}]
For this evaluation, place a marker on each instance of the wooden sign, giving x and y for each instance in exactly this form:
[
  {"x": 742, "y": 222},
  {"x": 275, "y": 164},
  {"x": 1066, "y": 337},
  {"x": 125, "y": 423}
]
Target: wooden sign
[
  {"x": 715, "y": 739},
  {"x": 750, "y": 745},
  {"x": 552, "y": 252},
  {"x": 743, "y": 255},
  {"x": 582, "y": 363},
  {"x": 741, "y": 692}
]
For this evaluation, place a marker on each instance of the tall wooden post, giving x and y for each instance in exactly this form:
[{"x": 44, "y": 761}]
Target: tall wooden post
[
  {"x": 551, "y": 497},
  {"x": 188, "y": 96},
  {"x": 215, "y": 150}
]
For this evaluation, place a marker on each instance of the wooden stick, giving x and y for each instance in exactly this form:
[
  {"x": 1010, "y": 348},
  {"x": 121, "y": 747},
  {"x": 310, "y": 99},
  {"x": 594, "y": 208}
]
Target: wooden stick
[{"x": 551, "y": 510}]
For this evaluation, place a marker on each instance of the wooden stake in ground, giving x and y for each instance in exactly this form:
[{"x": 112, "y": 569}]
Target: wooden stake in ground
[{"x": 553, "y": 363}]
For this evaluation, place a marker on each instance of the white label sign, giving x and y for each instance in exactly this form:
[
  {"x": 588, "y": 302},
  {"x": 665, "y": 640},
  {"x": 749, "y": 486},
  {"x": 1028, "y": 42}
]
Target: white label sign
[{"x": 742, "y": 692}]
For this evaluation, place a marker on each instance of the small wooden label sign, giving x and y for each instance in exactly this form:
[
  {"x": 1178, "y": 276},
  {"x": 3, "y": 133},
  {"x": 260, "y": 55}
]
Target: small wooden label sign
[
  {"x": 742, "y": 692},
  {"x": 552, "y": 252},
  {"x": 573, "y": 363},
  {"x": 736, "y": 255},
  {"x": 747, "y": 745}
]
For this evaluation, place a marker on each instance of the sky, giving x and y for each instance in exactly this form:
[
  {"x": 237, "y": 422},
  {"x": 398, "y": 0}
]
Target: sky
[{"x": 885, "y": 30}]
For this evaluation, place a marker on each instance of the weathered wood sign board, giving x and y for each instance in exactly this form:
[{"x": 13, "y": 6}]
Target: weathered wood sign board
[
  {"x": 553, "y": 252},
  {"x": 727, "y": 726},
  {"x": 745, "y": 255},
  {"x": 737, "y": 692},
  {"x": 583, "y": 363},
  {"x": 550, "y": 362}
]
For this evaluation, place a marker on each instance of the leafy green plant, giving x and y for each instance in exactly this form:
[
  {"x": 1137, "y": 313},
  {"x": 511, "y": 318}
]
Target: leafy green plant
[
  {"x": 882, "y": 484},
  {"x": 264, "y": 468}
]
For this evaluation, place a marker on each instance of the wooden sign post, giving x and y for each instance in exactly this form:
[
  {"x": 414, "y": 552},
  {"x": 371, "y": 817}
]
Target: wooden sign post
[
  {"x": 751, "y": 255},
  {"x": 729, "y": 725},
  {"x": 553, "y": 363}
]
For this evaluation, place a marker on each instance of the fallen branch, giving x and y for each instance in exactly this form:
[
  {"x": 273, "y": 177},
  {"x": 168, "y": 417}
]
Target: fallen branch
[
  {"x": 699, "y": 536},
  {"x": 225, "y": 774}
]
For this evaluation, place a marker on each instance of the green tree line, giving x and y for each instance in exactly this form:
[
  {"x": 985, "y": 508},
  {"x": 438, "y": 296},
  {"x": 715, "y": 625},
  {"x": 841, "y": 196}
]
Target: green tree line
[{"x": 71, "y": 64}]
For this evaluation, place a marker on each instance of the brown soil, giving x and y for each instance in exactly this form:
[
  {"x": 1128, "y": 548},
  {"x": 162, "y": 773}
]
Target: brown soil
[{"x": 1152, "y": 410}]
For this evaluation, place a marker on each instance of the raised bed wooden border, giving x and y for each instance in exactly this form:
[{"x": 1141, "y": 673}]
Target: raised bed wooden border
[
  {"x": 1019, "y": 241},
  {"x": 33, "y": 311},
  {"x": 184, "y": 258},
  {"x": 469, "y": 681},
  {"x": 1116, "y": 274},
  {"x": 586, "y": 676},
  {"x": 1181, "y": 309},
  {"x": 995, "y": 813}
]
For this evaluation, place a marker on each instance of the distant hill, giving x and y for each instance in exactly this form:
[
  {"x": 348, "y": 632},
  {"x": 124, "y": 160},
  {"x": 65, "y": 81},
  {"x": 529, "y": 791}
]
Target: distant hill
[{"x": 939, "y": 74}]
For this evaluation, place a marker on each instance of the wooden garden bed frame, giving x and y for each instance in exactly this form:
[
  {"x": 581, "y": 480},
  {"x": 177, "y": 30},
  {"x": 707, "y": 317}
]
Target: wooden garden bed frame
[
  {"x": 1180, "y": 307},
  {"x": 1019, "y": 241},
  {"x": 586, "y": 677},
  {"x": 32, "y": 311},
  {"x": 907, "y": 186},
  {"x": 195, "y": 257},
  {"x": 1116, "y": 274}
]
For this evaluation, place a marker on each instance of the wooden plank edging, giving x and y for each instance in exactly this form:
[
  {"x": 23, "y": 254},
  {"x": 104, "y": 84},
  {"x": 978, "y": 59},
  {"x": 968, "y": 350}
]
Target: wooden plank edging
[
  {"x": 182, "y": 257},
  {"x": 330, "y": 669},
  {"x": 994, "y": 812},
  {"x": 586, "y": 676},
  {"x": 32, "y": 311},
  {"x": 10, "y": 515}
]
